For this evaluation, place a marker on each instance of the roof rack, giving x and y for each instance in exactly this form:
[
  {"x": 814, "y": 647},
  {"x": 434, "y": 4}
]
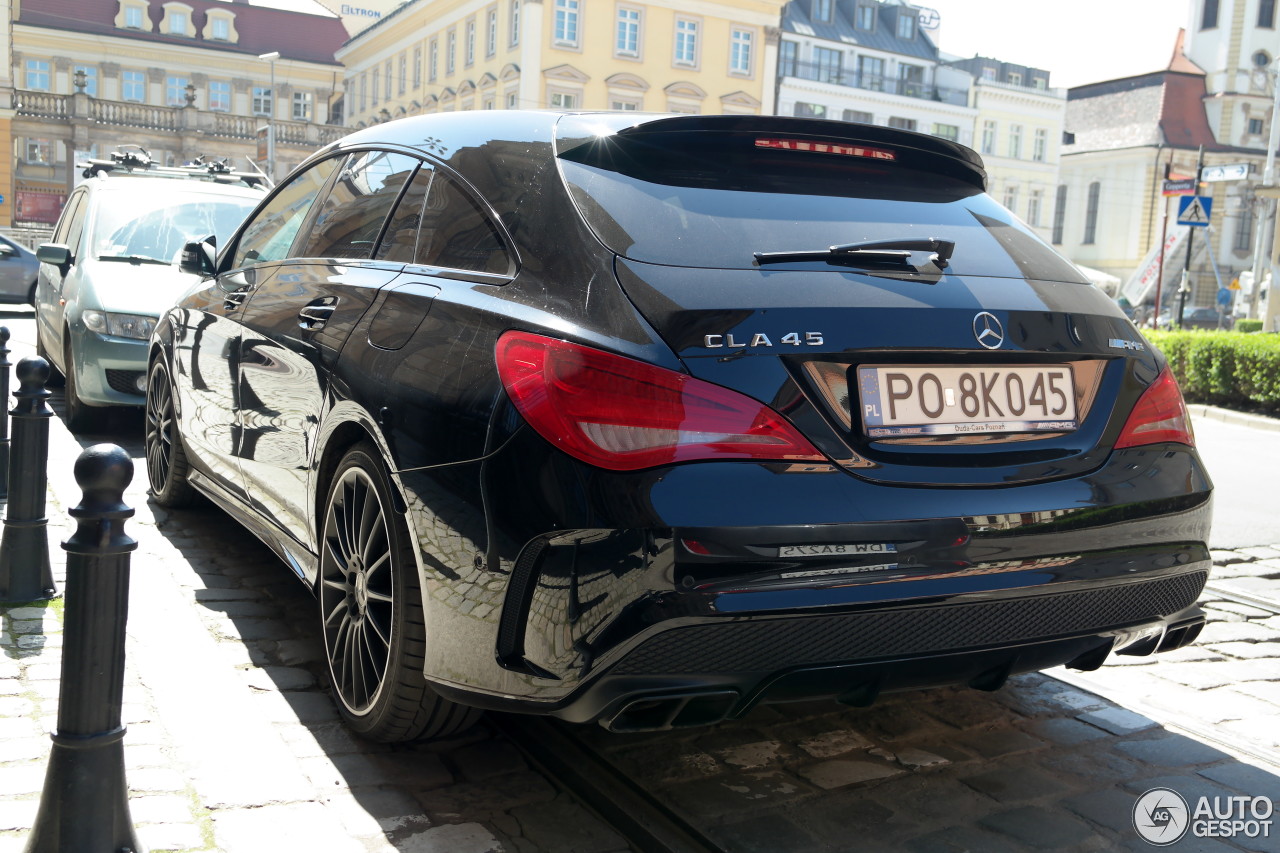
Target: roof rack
[{"x": 201, "y": 168}]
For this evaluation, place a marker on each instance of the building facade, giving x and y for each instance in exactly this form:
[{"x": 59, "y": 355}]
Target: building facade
[
  {"x": 870, "y": 61},
  {"x": 180, "y": 79},
  {"x": 715, "y": 56},
  {"x": 1127, "y": 136}
]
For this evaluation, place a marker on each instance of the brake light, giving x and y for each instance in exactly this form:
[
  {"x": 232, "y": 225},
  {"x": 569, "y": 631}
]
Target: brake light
[
  {"x": 826, "y": 148},
  {"x": 623, "y": 415},
  {"x": 1159, "y": 416}
]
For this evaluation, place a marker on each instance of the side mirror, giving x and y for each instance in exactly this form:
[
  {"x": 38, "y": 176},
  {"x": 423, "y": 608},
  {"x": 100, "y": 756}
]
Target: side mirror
[
  {"x": 54, "y": 253},
  {"x": 7, "y": 251},
  {"x": 199, "y": 258}
]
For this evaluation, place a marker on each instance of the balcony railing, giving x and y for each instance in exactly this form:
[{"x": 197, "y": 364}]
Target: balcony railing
[
  {"x": 840, "y": 76},
  {"x": 43, "y": 104}
]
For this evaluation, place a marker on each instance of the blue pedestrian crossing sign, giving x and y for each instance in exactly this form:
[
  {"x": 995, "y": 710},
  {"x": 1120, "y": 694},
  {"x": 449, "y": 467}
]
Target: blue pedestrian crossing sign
[{"x": 1194, "y": 210}]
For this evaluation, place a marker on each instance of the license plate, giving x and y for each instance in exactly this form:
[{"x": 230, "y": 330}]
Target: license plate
[
  {"x": 837, "y": 549},
  {"x": 910, "y": 400}
]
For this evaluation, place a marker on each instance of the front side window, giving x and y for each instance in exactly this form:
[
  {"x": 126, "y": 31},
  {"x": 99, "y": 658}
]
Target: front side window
[
  {"x": 175, "y": 91},
  {"x": 566, "y": 22},
  {"x": 686, "y": 42},
  {"x": 348, "y": 222},
  {"x": 302, "y": 106},
  {"x": 262, "y": 101},
  {"x": 37, "y": 75},
  {"x": 90, "y": 78},
  {"x": 627, "y": 42},
  {"x": 270, "y": 233},
  {"x": 219, "y": 95},
  {"x": 740, "y": 51},
  {"x": 133, "y": 85}
]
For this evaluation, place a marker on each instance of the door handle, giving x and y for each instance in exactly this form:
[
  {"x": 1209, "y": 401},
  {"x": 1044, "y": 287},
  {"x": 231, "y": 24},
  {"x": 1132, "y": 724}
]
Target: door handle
[
  {"x": 234, "y": 300},
  {"x": 314, "y": 315}
]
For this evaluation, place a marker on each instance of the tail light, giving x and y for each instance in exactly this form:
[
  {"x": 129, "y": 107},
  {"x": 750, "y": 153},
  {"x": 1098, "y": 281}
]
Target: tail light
[
  {"x": 1159, "y": 416},
  {"x": 623, "y": 415}
]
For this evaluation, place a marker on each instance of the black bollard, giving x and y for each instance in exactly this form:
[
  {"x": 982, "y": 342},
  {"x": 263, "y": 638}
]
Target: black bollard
[
  {"x": 85, "y": 804},
  {"x": 4, "y": 402},
  {"x": 24, "y": 551}
]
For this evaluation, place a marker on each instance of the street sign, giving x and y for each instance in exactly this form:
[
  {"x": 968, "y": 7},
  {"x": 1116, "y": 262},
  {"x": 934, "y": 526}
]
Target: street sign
[
  {"x": 1194, "y": 210},
  {"x": 1234, "y": 172},
  {"x": 1185, "y": 186},
  {"x": 1225, "y": 296},
  {"x": 1235, "y": 284}
]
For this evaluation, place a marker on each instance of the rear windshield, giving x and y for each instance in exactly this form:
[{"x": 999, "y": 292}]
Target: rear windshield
[{"x": 712, "y": 199}]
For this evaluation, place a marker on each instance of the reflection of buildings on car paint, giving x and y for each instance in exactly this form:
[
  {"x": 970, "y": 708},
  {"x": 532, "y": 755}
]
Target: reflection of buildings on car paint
[
  {"x": 181, "y": 81},
  {"x": 429, "y": 56}
]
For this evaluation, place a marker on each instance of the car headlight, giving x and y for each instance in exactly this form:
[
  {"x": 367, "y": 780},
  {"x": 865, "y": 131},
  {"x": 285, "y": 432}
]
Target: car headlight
[{"x": 134, "y": 326}]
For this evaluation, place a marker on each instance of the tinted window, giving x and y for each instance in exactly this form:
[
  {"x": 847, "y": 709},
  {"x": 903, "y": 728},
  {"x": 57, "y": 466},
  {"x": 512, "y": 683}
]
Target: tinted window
[
  {"x": 350, "y": 219},
  {"x": 456, "y": 233},
  {"x": 270, "y": 234},
  {"x": 712, "y": 199},
  {"x": 400, "y": 241}
]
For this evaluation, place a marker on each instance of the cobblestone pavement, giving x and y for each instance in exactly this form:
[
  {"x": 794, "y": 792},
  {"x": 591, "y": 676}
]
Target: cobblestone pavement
[{"x": 233, "y": 744}]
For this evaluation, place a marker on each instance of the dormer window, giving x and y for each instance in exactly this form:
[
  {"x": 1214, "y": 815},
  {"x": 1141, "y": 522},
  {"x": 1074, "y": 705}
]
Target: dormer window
[
  {"x": 177, "y": 20},
  {"x": 177, "y": 24},
  {"x": 906, "y": 24},
  {"x": 822, "y": 10},
  {"x": 132, "y": 15},
  {"x": 865, "y": 17},
  {"x": 220, "y": 26}
]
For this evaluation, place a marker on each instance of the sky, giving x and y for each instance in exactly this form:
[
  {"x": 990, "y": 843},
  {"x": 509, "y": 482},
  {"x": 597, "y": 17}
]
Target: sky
[{"x": 1078, "y": 41}]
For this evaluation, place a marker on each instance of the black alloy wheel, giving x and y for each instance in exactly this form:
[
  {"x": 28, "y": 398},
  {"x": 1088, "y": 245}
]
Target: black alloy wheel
[
  {"x": 166, "y": 458},
  {"x": 371, "y": 611}
]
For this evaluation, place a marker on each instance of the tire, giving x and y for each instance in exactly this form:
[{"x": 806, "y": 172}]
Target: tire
[
  {"x": 371, "y": 612},
  {"x": 31, "y": 294},
  {"x": 166, "y": 457},
  {"x": 79, "y": 416},
  {"x": 56, "y": 378}
]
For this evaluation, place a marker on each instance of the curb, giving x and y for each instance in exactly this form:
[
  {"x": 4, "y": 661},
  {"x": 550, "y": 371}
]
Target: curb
[{"x": 1229, "y": 416}]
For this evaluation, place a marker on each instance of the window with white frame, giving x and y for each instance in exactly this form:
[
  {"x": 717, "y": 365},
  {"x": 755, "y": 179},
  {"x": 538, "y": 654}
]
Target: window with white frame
[
  {"x": 37, "y": 76},
  {"x": 451, "y": 53},
  {"x": 220, "y": 28},
  {"x": 262, "y": 99},
  {"x": 417, "y": 67},
  {"x": 788, "y": 54},
  {"x": 565, "y": 27},
  {"x": 39, "y": 150},
  {"x": 1034, "y": 200},
  {"x": 902, "y": 123},
  {"x": 1040, "y": 146},
  {"x": 470, "y": 54},
  {"x": 491, "y": 35},
  {"x": 686, "y": 52},
  {"x": 175, "y": 91},
  {"x": 864, "y": 18},
  {"x": 1011, "y": 198},
  {"x": 947, "y": 131},
  {"x": 90, "y": 78},
  {"x": 627, "y": 38},
  {"x": 386, "y": 92},
  {"x": 1256, "y": 126},
  {"x": 177, "y": 23},
  {"x": 373, "y": 89},
  {"x": 1015, "y": 141},
  {"x": 859, "y": 116},
  {"x": 433, "y": 56},
  {"x": 741, "y": 43},
  {"x": 1015, "y": 78},
  {"x": 302, "y": 104},
  {"x": 623, "y": 105},
  {"x": 514, "y": 16},
  {"x": 219, "y": 95},
  {"x": 807, "y": 110},
  {"x": 563, "y": 101},
  {"x": 988, "y": 73},
  {"x": 133, "y": 17},
  {"x": 403, "y": 76},
  {"x": 1244, "y": 230},
  {"x": 513, "y": 100},
  {"x": 870, "y": 73},
  {"x": 364, "y": 91},
  {"x": 988, "y": 137},
  {"x": 133, "y": 85},
  {"x": 826, "y": 64},
  {"x": 822, "y": 10}
]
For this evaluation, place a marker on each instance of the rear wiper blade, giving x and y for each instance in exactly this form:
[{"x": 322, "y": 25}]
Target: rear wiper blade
[
  {"x": 871, "y": 254},
  {"x": 133, "y": 259}
]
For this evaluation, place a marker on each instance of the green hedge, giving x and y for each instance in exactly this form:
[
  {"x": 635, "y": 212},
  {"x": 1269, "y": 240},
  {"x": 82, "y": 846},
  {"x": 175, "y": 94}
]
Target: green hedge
[
  {"x": 1224, "y": 368},
  {"x": 1247, "y": 325}
]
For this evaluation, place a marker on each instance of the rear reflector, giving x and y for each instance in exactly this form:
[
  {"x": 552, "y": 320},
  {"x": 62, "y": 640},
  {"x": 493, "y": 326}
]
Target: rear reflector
[
  {"x": 623, "y": 415},
  {"x": 826, "y": 148},
  {"x": 1159, "y": 416}
]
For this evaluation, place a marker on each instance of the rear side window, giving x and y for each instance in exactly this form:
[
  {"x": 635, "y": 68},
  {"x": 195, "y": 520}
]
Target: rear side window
[
  {"x": 350, "y": 219},
  {"x": 272, "y": 229},
  {"x": 400, "y": 240},
  {"x": 713, "y": 198},
  {"x": 457, "y": 234}
]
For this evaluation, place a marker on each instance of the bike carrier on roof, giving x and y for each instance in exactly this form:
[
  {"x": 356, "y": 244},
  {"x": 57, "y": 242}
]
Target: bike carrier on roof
[{"x": 202, "y": 168}]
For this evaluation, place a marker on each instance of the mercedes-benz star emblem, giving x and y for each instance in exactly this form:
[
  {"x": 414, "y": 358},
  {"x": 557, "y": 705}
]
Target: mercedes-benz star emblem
[{"x": 987, "y": 329}]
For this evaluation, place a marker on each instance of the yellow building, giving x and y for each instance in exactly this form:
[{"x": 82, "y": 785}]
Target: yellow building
[
  {"x": 709, "y": 56},
  {"x": 178, "y": 79}
]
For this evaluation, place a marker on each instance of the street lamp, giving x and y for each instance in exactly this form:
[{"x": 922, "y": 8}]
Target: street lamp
[
  {"x": 1268, "y": 205},
  {"x": 271, "y": 114}
]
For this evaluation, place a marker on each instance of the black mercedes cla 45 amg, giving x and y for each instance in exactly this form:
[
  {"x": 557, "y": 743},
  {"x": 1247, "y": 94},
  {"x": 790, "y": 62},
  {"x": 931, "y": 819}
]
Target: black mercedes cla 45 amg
[{"x": 646, "y": 420}]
